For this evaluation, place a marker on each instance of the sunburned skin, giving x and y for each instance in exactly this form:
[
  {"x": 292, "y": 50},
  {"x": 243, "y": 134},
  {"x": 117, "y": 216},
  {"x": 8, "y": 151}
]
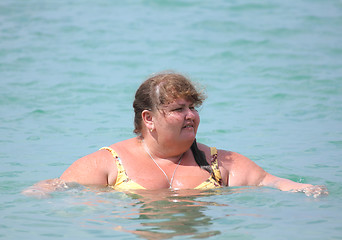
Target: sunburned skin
[{"x": 161, "y": 155}]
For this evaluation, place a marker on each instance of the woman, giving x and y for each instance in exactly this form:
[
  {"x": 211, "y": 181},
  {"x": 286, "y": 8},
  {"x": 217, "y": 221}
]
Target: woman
[{"x": 165, "y": 153}]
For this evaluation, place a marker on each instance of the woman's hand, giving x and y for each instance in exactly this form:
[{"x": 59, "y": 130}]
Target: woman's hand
[
  {"x": 291, "y": 186},
  {"x": 313, "y": 190},
  {"x": 43, "y": 189}
]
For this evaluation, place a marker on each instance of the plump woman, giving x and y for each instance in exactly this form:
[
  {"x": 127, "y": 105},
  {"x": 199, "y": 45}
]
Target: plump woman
[{"x": 165, "y": 154}]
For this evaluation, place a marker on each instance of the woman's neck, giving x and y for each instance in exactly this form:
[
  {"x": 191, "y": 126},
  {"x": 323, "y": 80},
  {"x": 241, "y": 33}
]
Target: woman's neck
[{"x": 171, "y": 152}]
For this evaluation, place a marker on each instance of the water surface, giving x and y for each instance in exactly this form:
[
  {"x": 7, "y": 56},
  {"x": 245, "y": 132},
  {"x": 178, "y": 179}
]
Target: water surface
[{"x": 273, "y": 75}]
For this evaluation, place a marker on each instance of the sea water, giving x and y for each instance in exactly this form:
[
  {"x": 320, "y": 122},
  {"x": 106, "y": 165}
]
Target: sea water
[{"x": 272, "y": 71}]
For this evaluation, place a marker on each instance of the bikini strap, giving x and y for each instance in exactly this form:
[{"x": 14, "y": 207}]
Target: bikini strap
[
  {"x": 214, "y": 165},
  {"x": 111, "y": 150},
  {"x": 122, "y": 175}
]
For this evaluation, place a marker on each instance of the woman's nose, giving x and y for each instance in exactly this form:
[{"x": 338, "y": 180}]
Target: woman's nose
[{"x": 190, "y": 113}]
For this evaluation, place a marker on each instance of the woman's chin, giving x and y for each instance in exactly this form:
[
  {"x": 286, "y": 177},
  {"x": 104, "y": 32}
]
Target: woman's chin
[{"x": 189, "y": 134}]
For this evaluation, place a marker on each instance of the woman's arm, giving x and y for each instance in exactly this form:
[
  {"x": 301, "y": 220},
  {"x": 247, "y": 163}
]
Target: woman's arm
[
  {"x": 43, "y": 188},
  {"x": 244, "y": 172},
  {"x": 288, "y": 185},
  {"x": 97, "y": 168},
  {"x": 94, "y": 169}
]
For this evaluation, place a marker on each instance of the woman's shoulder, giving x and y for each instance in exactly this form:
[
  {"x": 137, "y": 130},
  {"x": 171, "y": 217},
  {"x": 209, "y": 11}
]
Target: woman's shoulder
[
  {"x": 103, "y": 154},
  {"x": 206, "y": 149},
  {"x": 220, "y": 152},
  {"x": 226, "y": 158},
  {"x": 125, "y": 145}
]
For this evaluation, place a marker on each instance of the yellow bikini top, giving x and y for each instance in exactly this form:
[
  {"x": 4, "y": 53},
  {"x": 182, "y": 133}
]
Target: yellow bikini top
[{"x": 123, "y": 182}]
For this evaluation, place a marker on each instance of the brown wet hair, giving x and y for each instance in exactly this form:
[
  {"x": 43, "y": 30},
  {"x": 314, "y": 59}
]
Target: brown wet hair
[{"x": 162, "y": 89}]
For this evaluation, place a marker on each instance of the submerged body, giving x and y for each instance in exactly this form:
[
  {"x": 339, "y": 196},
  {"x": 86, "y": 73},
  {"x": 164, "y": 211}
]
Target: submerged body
[
  {"x": 123, "y": 182},
  {"x": 165, "y": 153},
  {"x": 117, "y": 167}
]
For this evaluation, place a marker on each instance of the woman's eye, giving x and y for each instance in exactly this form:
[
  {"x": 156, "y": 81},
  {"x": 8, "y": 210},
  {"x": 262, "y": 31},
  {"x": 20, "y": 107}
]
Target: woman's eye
[{"x": 180, "y": 109}]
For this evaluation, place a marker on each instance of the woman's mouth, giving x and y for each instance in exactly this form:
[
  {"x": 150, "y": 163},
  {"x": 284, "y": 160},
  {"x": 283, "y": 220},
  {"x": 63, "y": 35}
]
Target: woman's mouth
[{"x": 189, "y": 125}]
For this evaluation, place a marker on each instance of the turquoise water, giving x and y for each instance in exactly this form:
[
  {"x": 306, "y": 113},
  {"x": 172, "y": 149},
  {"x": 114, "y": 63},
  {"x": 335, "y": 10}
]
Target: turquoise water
[{"x": 273, "y": 75}]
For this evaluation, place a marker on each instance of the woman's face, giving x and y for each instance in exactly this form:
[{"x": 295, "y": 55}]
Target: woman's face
[{"x": 177, "y": 121}]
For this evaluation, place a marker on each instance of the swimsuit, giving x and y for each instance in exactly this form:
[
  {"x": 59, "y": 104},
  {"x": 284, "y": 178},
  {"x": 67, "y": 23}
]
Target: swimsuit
[{"x": 123, "y": 182}]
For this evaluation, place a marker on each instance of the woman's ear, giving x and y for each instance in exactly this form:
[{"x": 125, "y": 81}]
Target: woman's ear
[{"x": 147, "y": 117}]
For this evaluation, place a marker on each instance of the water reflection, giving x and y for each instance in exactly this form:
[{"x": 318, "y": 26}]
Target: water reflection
[
  {"x": 169, "y": 213},
  {"x": 152, "y": 214}
]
